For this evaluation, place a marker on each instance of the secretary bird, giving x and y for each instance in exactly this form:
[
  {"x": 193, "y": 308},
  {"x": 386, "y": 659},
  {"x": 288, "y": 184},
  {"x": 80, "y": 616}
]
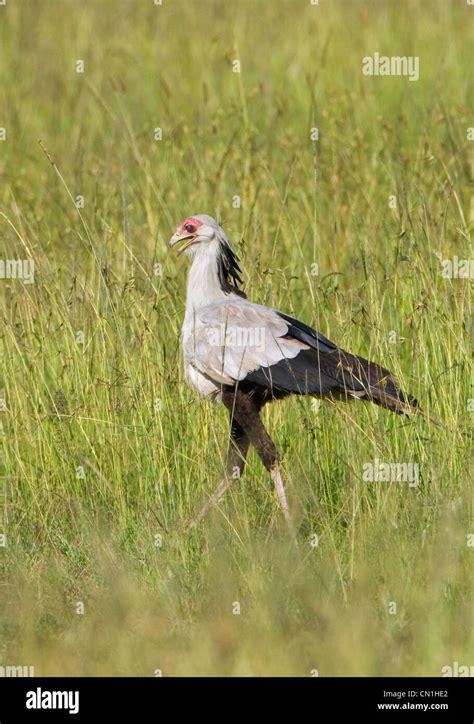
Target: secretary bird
[{"x": 245, "y": 355}]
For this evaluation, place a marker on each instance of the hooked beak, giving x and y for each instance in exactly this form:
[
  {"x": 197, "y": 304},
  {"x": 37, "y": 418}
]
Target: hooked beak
[{"x": 177, "y": 238}]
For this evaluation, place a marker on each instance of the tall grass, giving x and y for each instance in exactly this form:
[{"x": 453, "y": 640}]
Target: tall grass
[{"x": 107, "y": 454}]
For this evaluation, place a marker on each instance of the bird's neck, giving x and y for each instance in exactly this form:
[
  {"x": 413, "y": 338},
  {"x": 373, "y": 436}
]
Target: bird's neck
[{"x": 204, "y": 286}]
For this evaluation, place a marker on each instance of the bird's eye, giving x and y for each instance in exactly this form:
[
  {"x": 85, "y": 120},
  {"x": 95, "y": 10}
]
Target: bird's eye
[{"x": 189, "y": 228}]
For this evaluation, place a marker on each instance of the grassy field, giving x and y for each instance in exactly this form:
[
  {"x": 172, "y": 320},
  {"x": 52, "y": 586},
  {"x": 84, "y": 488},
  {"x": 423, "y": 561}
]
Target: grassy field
[{"x": 107, "y": 454}]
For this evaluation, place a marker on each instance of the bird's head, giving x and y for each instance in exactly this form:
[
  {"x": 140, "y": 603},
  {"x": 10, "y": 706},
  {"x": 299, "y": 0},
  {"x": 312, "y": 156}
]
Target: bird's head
[
  {"x": 195, "y": 230},
  {"x": 201, "y": 234}
]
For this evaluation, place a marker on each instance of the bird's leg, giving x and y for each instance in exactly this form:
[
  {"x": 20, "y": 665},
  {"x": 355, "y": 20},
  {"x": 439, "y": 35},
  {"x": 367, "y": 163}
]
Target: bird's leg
[
  {"x": 280, "y": 491},
  {"x": 246, "y": 412},
  {"x": 235, "y": 463},
  {"x": 237, "y": 452},
  {"x": 225, "y": 483}
]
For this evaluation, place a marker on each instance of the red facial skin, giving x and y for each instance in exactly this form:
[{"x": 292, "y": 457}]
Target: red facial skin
[{"x": 190, "y": 221}]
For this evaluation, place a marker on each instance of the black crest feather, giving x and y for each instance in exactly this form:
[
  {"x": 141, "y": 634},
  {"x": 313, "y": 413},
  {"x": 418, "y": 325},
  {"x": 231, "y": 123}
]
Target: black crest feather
[{"x": 229, "y": 270}]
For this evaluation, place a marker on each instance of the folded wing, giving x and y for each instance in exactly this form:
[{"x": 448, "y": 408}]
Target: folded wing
[{"x": 236, "y": 341}]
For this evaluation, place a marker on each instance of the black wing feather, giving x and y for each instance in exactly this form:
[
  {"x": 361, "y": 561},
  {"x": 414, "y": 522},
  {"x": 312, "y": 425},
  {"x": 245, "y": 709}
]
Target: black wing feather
[
  {"x": 325, "y": 369},
  {"x": 308, "y": 335}
]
